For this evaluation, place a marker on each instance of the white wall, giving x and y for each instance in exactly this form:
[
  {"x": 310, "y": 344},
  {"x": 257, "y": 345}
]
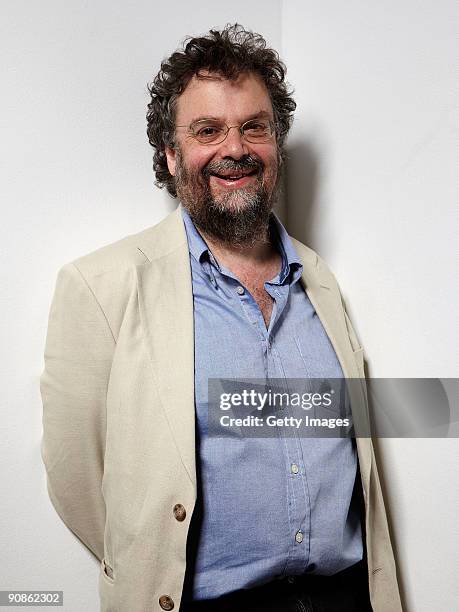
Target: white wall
[
  {"x": 78, "y": 175},
  {"x": 373, "y": 187}
]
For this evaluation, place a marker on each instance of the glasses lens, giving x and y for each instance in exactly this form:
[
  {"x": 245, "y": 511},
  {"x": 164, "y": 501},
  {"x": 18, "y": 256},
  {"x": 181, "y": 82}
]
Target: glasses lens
[
  {"x": 208, "y": 131},
  {"x": 257, "y": 130}
]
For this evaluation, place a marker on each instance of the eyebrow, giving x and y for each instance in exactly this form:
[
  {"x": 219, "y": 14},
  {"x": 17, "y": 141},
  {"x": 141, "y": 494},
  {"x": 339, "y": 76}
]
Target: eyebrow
[{"x": 257, "y": 115}]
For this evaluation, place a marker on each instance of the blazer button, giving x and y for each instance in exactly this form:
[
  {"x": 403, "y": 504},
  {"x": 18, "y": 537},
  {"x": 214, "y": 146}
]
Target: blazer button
[
  {"x": 179, "y": 512},
  {"x": 166, "y": 602}
]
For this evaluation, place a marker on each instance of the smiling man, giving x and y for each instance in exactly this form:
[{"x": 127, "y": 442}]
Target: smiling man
[{"x": 178, "y": 518}]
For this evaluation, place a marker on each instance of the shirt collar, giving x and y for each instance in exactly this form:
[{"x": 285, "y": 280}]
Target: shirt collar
[
  {"x": 291, "y": 269},
  {"x": 196, "y": 244}
]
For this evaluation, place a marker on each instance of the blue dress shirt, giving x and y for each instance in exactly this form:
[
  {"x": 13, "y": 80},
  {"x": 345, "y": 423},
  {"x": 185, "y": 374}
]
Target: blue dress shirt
[{"x": 270, "y": 507}]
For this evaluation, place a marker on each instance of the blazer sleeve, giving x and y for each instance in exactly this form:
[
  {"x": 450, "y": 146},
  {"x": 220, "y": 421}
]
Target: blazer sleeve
[{"x": 78, "y": 356}]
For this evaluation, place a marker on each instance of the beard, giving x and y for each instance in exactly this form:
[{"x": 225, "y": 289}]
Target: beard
[{"x": 239, "y": 217}]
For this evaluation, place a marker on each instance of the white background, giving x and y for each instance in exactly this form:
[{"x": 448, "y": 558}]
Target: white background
[{"x": 371, "y": 185}]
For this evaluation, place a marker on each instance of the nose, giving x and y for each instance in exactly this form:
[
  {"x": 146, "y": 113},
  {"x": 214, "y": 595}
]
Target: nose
[{"x": 234, "y": 145}]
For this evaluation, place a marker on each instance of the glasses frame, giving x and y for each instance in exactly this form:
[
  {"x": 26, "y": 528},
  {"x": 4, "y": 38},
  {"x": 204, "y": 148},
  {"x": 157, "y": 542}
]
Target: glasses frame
[{"x": 228, "y": 128}]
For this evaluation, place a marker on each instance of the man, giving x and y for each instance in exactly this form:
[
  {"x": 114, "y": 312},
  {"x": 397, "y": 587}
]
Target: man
[{"x": 178, "y": 518}]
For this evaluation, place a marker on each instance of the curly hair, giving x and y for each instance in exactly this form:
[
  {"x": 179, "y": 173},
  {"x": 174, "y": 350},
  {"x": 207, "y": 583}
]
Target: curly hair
[{"x": 228, "y": 53}]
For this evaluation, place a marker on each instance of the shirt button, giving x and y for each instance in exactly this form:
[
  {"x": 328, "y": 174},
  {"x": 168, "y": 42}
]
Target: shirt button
[
  {"x": 179, "y": 512},
  {"x": 240, "y": 290},
  {"x": 299, "y": 537},
  {"x": 291, "y": 579},
  {"x": 295, "y": 469},
  {"x": 166, "y": 602}
]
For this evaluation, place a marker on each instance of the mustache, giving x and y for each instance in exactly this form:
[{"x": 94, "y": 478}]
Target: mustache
[{"x": 246, "y": 163}]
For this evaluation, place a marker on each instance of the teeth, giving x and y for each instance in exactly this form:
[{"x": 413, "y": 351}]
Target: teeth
[{"x": 232, "y": 177}]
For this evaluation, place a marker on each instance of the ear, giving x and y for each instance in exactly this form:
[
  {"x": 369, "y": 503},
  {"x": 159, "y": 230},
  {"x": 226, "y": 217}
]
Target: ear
[{"x": 171, "y": 159}]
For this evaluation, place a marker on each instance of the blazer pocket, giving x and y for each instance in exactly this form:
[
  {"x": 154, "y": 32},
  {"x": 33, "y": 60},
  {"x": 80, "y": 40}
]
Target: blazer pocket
[{"x": 107, "y": 571}]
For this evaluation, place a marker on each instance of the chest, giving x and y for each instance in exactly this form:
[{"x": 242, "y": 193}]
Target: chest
[
  {"x": 262, "y": 298},
  {"x": 253, "y": 278}
]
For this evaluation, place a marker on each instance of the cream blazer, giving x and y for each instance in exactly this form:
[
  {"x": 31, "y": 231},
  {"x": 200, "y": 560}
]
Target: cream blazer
[{"x": 119, "y": 420}]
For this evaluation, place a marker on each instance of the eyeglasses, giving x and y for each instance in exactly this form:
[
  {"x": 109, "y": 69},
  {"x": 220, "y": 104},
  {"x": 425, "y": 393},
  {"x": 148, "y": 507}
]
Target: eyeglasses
[{"x": 209, "y": 131}]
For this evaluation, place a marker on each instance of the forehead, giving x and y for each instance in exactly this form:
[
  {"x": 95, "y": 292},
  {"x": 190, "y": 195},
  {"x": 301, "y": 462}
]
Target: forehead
[{"x": 211, "y": 95}]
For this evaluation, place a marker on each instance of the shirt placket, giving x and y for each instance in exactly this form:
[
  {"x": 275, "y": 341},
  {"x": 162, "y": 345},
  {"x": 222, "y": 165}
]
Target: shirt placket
[{"x": 298, "y": 499}]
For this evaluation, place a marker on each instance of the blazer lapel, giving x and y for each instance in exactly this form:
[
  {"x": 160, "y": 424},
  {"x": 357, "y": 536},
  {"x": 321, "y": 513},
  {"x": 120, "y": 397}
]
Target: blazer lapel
[
  {"x": 326, "y": 299},
  {"x": 166, "y": 307}
]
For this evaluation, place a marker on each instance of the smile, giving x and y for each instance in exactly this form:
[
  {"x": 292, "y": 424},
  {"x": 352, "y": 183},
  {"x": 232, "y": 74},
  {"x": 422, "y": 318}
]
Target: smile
[{"x": 234, "y": 180}]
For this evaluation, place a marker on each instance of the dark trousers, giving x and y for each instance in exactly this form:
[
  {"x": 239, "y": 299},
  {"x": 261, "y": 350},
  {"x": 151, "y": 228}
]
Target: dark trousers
[{"x": 346, "y": 591}]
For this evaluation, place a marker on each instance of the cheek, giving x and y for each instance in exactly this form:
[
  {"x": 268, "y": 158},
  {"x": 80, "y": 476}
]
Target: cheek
[
  {"x": 271, "y": 162},
  {"x": 269, "y": 156},
  {"x": 196, "y": 160}
]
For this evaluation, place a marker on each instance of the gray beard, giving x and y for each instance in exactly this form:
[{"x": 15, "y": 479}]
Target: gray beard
[{"x": 239, "y": 218}]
